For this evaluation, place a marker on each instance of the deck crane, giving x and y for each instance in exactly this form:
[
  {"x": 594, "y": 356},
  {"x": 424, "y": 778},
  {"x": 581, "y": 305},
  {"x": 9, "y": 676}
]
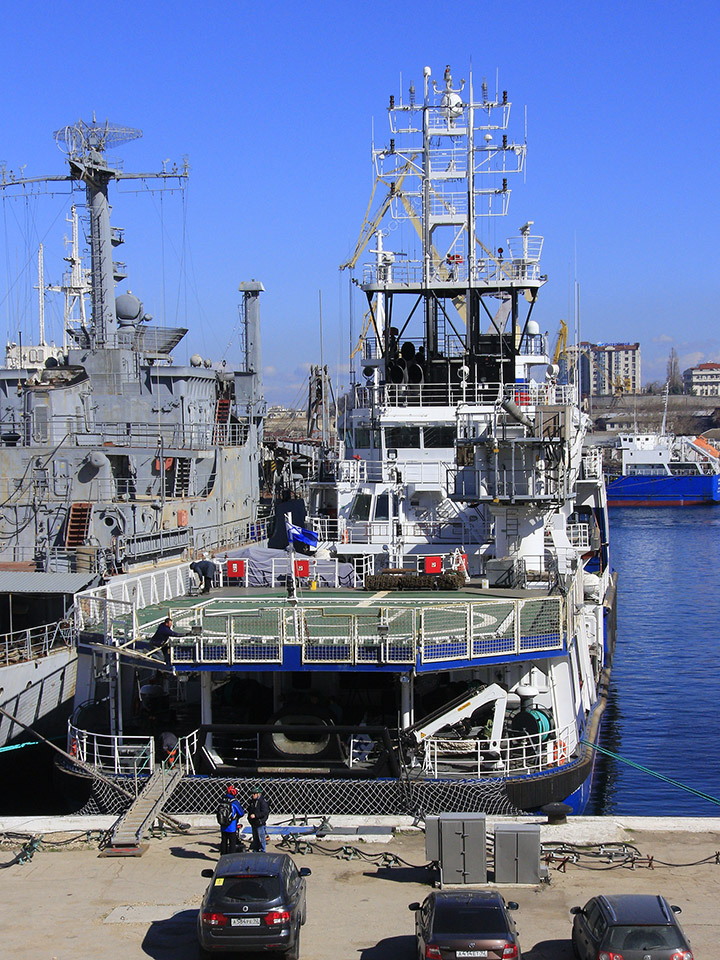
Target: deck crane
[{"x": 561, "y": 342}]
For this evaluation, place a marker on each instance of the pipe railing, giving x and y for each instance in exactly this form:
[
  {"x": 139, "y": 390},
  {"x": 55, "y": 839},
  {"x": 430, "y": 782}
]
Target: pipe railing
[
  {"x": 517, "y": 755},
  {"x": 35, "y": 642}
]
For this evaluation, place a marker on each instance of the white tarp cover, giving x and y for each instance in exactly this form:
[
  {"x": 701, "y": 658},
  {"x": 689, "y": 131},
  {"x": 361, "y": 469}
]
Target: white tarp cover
[{"x": 260, "y": 567}]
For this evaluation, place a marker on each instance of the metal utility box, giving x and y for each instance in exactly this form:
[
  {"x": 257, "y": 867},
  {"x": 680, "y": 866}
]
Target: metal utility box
[
  {"x": 517, "y": 853},
  {"x": 457, "y": 842}
]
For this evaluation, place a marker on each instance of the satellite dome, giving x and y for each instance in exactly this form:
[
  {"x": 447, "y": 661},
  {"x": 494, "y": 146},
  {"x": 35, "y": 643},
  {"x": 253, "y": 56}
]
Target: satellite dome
[
  {"x": 533, "y": 328},
  {"x": 128, "y": 307},
  {"x": 196, "y": 360}
]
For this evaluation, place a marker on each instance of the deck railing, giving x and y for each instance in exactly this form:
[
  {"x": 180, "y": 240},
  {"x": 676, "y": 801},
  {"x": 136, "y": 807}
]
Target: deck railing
[
  {"x": 517, "y": 755},
  {"x": 130, "y": 756},
  {"x": 454, "y": 393},
  {"x": 34, "y": 643},
  {"x": 328, "y": 633}
]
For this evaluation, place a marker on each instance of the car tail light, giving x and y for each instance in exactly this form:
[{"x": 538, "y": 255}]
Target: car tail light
[
  {"x": 609, "y": 955},
  {"x": 510, "y": 951},
  {"x": 682, "y": 955},
  {"x": 214, "y": 919},
  {"x": 432, "y": 952},
  {"x": 277, "y": 917}
]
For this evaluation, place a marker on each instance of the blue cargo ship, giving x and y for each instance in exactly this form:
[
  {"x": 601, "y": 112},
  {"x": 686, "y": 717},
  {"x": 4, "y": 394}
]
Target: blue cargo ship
[{"x": 658, "y": 470}]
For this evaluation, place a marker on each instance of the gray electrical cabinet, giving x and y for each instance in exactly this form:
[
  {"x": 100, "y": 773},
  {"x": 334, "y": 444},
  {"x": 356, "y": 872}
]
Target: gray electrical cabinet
[
  {"x": 457, "y": 842},
  {"x": 517, "y": 853}
]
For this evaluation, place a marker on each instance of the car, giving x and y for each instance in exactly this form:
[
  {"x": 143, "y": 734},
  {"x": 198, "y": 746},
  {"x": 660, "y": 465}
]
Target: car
[
  {"x": 630, "y": 926},
  {"x": 255, "y": 902},
  {"x": 457, "y": 924}
]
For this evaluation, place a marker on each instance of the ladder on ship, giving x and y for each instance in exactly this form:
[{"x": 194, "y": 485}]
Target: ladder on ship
[
  {"x": 127, "y": 833},
  {"x": 181, "y": 477},
  {"x": 78, "y": 524},
  {"x": 222, "y": 420}
]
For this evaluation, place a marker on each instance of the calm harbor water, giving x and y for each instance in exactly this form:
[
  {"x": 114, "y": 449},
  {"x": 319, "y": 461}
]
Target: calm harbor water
[{"x": 664, "y": 707}]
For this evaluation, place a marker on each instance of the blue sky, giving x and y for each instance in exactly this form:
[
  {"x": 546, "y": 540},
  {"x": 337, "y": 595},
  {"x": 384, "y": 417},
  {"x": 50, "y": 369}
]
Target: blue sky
[{"x": 273, "y": 104}]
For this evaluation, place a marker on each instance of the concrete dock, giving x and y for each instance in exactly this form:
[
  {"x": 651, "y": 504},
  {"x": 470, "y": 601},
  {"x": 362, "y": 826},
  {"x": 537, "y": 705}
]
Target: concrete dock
[{"x": 67, "y": 902}]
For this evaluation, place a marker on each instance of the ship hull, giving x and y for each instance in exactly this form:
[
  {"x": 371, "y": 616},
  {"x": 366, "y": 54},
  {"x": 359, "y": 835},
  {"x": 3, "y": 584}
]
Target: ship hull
[
  {"x": 39, "y": 693},
  {"x": 668, "y": 491}
]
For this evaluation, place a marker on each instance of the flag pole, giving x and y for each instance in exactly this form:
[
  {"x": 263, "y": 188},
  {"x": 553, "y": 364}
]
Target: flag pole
[{"x": 292, "y": 583}]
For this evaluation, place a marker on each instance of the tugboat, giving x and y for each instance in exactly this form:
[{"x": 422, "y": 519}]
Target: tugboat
[
  {"x": 113, "y": 458},
  {"x": 444, "y": 641}
]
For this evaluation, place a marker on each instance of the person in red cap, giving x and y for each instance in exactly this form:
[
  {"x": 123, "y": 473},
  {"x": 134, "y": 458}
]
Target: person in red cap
[{"x": 229, "y": 811}]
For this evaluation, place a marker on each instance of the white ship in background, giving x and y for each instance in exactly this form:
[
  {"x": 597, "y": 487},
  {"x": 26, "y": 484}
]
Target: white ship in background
[{"x": 113, "y": 457}]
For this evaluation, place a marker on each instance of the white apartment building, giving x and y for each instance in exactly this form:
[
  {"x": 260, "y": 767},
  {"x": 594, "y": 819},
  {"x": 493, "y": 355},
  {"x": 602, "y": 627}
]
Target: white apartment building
[
  {"x": 703, "y": 380},
  {"x": 607, "y": 369}
]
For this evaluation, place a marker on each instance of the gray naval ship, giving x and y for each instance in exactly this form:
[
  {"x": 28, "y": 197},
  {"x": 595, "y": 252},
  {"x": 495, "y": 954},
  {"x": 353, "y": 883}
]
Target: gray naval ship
[{"x": 113, "y": 458}]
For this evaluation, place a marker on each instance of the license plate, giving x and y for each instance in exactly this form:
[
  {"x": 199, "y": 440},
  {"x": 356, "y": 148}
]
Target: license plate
[
  {"x": 253, "y": 922},
  {"x": 471, "y": 953}
]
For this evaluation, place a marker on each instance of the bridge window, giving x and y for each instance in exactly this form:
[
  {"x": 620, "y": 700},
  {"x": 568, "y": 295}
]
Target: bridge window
[
  {"x": 407, "y": 437},
  {"x": 360, "y": 509}
]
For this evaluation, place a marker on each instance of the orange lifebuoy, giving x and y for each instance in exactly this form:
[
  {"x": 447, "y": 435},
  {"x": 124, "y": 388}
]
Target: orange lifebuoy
[
  {"x": 559, "y": 752},
  {"x": 346, "y": 538},
  {"x": 73, "y": 747}
]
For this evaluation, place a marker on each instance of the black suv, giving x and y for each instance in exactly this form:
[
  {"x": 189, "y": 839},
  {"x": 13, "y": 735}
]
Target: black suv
[
  {"x": 255, "y": 901},
  {"x": 634, "y": 926}
]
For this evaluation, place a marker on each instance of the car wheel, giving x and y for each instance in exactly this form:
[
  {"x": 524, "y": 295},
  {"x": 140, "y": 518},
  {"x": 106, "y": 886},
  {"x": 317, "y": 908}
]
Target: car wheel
[
  {"x": 575, "y": 947},
  {"x": 294, "y": 952},
  {"x": 204, "y": 954}
]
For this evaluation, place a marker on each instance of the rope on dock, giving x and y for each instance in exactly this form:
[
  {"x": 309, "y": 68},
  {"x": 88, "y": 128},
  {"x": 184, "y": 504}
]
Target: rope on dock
[{"x": 652, "y": 773}]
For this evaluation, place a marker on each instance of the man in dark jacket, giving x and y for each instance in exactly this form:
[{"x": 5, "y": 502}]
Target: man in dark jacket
[
  {"x": 258, "y": 811},
  {"x": 205, "y": 571},
  {"x": 161, "y": 638},
  {"x": 229, "y": 829}
]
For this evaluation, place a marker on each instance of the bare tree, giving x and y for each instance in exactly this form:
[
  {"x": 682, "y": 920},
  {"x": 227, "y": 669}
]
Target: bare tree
[{"x": 674, "y": 379}]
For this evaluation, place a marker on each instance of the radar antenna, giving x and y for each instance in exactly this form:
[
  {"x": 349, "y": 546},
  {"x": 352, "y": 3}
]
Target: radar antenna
[{"x": 81, "y": 138}]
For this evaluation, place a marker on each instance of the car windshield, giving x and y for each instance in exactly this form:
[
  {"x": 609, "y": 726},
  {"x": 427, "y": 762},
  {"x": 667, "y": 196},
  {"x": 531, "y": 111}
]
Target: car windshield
[
  {"x": 642, "y": 938},
  {"x": 246, "y": 889},
  {"x": 478, "y": 920}
]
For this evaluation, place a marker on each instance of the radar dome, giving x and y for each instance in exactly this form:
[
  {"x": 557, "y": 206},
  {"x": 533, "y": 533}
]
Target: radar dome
[
  {"x": 128, "y": 307},
  {"x": 533, "y": 328},
  {"x": 196, "y": 360}
]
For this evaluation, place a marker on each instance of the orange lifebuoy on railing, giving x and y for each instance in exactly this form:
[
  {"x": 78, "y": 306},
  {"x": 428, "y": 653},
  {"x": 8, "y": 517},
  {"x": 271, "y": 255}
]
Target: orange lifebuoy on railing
[
  {"x": 559, "y": 752},
  {"x": 73, "y": 747}
]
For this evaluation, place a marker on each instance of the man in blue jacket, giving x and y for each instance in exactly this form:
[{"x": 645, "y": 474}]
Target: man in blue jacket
[{"x": 229, "y": 812}]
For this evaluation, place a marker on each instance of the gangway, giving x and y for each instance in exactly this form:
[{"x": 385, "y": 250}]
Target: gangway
[{"x": 127, "y": 832}]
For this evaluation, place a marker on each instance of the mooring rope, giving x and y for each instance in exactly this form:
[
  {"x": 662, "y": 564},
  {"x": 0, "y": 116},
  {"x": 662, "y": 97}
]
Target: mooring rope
[{"x": 652, "y": 773}]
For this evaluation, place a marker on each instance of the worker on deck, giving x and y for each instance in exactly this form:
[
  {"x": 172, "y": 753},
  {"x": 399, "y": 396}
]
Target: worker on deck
[{"x": 205, "y": 571}]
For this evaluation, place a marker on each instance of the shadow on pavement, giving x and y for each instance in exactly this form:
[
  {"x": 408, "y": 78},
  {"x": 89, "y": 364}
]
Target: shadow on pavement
[
  {"x": 173, "y": 939},
  {"x": 392, "y": 948},
  {"x": 184, "y": 854},
  {"x": 404, "y": 875},
  {"x": 550, "y": 950}
]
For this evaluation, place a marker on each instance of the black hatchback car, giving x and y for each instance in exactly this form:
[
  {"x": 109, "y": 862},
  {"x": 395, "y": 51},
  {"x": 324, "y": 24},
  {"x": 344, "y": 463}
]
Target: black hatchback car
[
  {"x": 255, "y": 901},
  {"x": 631, "y": 926},
  {"x": 452, "y": 925}
]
